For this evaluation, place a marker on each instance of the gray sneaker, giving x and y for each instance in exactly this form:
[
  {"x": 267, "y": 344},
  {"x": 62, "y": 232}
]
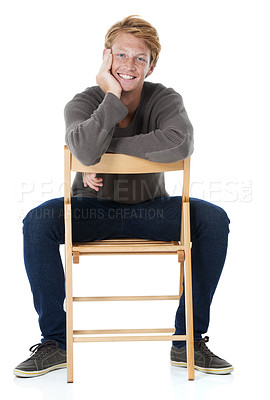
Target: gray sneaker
[
  {"x": 45, "y": 357},
  {"x": 204, "y": 359}
]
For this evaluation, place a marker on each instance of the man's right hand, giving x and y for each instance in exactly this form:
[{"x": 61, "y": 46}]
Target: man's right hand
[
  {"x": 105, "y": 79},
  {"x": 91, "y": 180}
]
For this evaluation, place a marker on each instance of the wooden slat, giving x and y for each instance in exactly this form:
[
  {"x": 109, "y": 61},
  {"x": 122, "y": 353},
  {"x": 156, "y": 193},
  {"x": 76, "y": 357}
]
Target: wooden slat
[
  {"x": 130, "y": 241},
  {"x": 68, "y": 264},
  {"x": 128, "y": 338},
  {"x": 121, "y": 331},
  {"x": 119, "y": 253},
  {"x": 133, "y": 240},
  {"x": 188, "y": 293},
  {"x": 186, "y": 180},
  {"x": 125, "y": 164},
  {"x": 128, "y": 246},
  {"x": 181, "y": 280},
  {"x": 126, "y": 298},
  {"x": 67, "y": 175},
  {"x": 88, "y": 248}
]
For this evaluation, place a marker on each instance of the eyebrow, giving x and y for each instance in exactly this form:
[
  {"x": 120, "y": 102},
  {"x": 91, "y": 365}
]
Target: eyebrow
[{"x": 139, "y": 54}]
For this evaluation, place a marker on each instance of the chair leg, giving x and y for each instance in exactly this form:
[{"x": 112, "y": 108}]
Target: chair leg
[
  {"x": 181, "y": 281},
  {"x": 189, "y": 321},
  {"x": 188, "y": 295},
  {"x": 69, "y": 295},
  {"x": 69, "y": 315}
]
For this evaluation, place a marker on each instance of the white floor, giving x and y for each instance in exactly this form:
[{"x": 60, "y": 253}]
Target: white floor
[{"x": 135, "y": 371}]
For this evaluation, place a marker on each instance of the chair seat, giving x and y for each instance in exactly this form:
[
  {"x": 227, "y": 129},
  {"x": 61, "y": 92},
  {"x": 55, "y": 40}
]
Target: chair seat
[{"x": 127, "y": 246}]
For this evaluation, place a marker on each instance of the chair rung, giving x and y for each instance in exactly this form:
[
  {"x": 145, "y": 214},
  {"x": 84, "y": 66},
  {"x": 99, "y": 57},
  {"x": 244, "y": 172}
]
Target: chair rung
[
  {"x": 126, "y": 298},
  {"x": 124, "y": 253},
  {"x": 129, "y": 241},
  {"x": 128, "y": 338},
  {"x": 128, "y": 246},
  {"x": 121, "y": 331}
]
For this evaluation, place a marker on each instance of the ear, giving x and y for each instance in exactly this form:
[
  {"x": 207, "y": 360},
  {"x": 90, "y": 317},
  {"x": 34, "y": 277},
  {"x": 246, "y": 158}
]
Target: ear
[{"x": 150, "y": 71}]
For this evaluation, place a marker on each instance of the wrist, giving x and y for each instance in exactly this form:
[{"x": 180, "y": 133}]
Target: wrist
[{"x": 117, "y": 93}]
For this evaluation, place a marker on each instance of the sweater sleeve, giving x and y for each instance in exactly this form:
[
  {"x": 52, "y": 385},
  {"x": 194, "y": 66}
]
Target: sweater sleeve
[
  {"x": 172, "y": 137},
  {"x": 90, "y": 125}
]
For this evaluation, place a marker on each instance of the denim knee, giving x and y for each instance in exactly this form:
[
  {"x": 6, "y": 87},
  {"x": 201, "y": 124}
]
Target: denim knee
[
  {"x": 46, "y": 219},
  {"x": 218, "y": 225},
  {"x": 221, "y": 218},
  {"x": 208, "y": 216}
]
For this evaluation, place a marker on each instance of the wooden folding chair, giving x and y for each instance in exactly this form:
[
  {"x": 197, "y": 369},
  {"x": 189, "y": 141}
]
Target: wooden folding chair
[{"x": 117, "y": 164}]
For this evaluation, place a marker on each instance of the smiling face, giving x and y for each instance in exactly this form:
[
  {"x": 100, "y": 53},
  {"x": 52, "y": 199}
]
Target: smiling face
[{"x": 131, "y": 62}]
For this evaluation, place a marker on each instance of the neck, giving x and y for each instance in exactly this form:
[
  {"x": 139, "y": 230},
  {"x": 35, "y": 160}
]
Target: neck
[{"x": 131, "y": 100}]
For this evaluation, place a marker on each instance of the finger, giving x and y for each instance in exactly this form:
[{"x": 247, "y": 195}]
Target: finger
[
  {"x": 107, "y": 61},
  {"x": 93, "y": 183},
  {"x": 106, "y": 52},
  {"x": 97, "y": 183},
  {"x": 93, "y": 179},
  {"x": 94, "y": 187},
  {"x": 84, "y": 180},
  {"x": 88, "y": 179},
  {"x": 97, "y": 180}
]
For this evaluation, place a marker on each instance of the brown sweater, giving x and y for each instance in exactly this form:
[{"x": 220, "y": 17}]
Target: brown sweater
[{"x": 160, "y": 131}]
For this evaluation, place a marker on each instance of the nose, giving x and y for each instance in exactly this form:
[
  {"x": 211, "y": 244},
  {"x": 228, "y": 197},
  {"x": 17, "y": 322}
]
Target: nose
[{"x": 130, "y": 63}]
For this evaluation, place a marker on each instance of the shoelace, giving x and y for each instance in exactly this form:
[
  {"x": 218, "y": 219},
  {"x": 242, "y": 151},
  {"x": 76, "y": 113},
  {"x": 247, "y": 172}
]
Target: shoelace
[
  {"x": 39, "y": 350},
  {"x": 199, "y": 345}
]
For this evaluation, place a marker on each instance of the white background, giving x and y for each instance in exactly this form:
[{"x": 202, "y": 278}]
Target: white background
[{"x": 216, "y": 54}]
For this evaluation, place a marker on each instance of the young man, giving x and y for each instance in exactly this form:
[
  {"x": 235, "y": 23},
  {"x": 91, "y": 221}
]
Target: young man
[{"x": 124, "y": 114}]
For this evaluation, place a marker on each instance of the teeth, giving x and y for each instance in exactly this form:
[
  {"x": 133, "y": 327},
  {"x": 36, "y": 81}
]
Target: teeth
[{"x": 126, "y": 76}]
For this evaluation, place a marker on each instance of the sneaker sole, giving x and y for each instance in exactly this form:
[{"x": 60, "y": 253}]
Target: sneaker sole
[
  {"x": 29, "y": 374},
  {"x": 217, "y": 371}
]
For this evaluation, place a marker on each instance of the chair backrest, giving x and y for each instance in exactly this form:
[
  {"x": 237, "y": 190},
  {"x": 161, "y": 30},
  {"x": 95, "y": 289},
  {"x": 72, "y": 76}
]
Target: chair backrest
[{"x": 112, "y": 163}]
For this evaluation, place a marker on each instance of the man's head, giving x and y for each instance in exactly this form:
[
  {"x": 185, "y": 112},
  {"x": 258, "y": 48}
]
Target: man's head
[
  {"x": 140, "y": 29},
  {"x": 135, "y": 47}
]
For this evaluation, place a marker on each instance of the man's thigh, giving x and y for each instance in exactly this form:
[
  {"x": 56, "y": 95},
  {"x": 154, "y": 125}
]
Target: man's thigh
[
  {"x": 160, "y": 219},
  {"x": 157, "y": 219},
  {"x": 96, "y": 219},
  {"x": 92, "y": 219}
]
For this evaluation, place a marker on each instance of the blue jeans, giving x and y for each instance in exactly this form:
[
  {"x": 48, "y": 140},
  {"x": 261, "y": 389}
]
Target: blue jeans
[{"x": 94, "y": 219}]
